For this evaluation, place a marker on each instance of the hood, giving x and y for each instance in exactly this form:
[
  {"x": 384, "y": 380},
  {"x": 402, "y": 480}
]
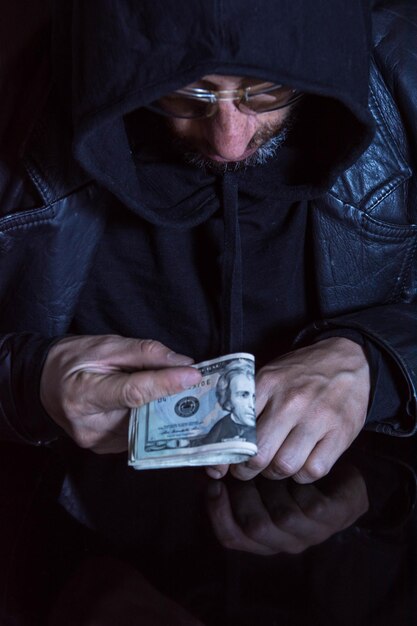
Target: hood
[{"x": 125, "y": 53}]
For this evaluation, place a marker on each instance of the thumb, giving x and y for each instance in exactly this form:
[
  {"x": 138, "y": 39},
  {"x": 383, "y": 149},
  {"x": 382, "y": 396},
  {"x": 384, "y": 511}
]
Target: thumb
[{"x": 121, "y": 390}]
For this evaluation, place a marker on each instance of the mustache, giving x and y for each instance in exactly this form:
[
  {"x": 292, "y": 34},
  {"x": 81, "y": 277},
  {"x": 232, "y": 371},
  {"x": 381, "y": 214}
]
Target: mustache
[{"x": 267, "y": 141}]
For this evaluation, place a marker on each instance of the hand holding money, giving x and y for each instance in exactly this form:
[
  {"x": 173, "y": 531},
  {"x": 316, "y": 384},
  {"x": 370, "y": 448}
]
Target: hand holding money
[
  {"x": 90, "y": 383},
  {"x": 212, "y": 422},
  {"x": 311, "y": 404}
]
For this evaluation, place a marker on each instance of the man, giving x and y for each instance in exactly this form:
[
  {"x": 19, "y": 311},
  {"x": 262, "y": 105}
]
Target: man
[
  {"x": 235, "y": 392},
  {"x": 209, "y": 179}
]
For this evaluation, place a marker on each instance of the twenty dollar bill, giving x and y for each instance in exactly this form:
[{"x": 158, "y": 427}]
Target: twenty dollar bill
[{"x": 211, "y": 423}]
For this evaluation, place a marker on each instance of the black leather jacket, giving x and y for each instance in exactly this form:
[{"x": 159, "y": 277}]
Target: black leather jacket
[{"x": 365, "y": 238}]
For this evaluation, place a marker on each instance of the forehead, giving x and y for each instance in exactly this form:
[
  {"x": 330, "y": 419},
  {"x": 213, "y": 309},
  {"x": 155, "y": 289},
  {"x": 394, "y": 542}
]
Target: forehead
[{"x": 241, "y": 382}]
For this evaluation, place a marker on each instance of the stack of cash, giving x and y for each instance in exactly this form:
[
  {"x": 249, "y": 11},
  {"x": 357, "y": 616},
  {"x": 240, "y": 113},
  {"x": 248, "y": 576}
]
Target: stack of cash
[{"x": 212, "y": 423}]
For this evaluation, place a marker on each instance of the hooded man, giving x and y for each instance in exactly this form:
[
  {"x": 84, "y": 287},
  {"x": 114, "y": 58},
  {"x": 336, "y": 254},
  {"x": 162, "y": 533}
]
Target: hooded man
[{"x": 203, "y": 178}]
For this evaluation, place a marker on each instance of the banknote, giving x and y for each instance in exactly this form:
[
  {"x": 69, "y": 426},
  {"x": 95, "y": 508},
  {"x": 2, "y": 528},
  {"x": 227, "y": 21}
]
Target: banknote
[{"x": 210, "y": 423}]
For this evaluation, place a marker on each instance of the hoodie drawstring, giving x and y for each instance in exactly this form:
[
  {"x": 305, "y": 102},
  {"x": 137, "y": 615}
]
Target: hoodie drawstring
[{"x": 232, "y": 313}]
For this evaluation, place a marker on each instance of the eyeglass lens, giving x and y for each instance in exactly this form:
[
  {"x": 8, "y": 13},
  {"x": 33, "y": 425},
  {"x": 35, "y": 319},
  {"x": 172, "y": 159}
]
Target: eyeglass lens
[{"x": 179, "y": 105}]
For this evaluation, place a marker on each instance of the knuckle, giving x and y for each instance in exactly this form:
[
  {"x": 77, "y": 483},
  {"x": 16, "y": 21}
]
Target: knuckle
[
  {"x": 267, "y": 379},
  {"x": 72, "y": 408},
  {"x": 314, "y": 470},
  {"x": 84, "y": 439},
  {"x": 242, "y": 472},
  {"x": 258, "y": 462},
  {"x": 283, "y": 517},
  {"x": 295, "y": 401},
  {"x": 255, "y": 528},
  {"x": 281, "y": 466},
  {"x": 74, "y": 395},
  {"x": 150, "y": 346},
  {"x": 262, "y": 378},
  {"x": 133, "y": 395},
  {"x": 231, "y": 542},
  {"x": 317, "y": 510}
]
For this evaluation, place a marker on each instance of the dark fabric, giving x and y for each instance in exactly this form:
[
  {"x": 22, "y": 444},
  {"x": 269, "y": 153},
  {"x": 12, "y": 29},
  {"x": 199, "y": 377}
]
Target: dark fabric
[
  {"x": 126, "y": 58},
  {"x": 148, "y": 217},
  {"x": 24, "y": 69},
  {"x": 24, "y": 357},
  {"x": 214, "y": 288}
]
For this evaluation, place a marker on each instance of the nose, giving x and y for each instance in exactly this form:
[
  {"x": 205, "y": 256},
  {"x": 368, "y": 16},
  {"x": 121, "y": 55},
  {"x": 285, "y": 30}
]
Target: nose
[
  {"x": 252, "y": 402},
  {"x": 229, "y": 131}
]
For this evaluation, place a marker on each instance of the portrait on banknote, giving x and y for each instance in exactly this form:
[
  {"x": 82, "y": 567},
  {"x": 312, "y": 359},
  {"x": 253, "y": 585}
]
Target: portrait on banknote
[{"x": 213, "y": 420}]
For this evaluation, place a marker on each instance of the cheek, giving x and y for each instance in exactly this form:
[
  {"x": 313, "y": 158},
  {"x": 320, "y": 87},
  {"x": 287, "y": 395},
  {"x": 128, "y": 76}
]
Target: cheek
[
  {"x": 273, "y": 120},
  {"x": 277, "y": 117},
  {"x": 184, "y": 128}
]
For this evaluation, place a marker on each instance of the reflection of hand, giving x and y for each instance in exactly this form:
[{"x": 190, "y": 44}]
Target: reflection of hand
[
  {"x": 265, "y": 517},
  {"x": 89, "y": 384},
  {"x": 311, "y": 404},
  {"x": 108, "y": 592}
]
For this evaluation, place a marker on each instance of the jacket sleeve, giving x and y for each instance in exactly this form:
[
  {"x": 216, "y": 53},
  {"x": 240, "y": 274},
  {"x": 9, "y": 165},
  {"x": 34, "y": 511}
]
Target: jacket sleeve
[
  {"x": 22, "y": 417},
  {"x": 395, "y": 36},
  {"x": 392, "y": 327}
]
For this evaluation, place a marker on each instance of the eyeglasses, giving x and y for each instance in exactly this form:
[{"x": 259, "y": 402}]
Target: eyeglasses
[{"x": 193, "y": 102}]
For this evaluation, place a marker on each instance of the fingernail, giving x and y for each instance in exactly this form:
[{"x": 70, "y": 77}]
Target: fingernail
[
  {"x": 179, "y": 359},
  {"x": 214, "y": 490}
]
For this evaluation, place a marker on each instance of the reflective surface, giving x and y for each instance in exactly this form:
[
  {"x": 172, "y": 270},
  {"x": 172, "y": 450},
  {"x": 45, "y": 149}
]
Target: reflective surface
[{"x": 87, "y": 541}]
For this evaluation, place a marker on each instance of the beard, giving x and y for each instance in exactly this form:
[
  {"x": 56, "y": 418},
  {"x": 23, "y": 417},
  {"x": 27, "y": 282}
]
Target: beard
[{"x": 267, "y": 141}]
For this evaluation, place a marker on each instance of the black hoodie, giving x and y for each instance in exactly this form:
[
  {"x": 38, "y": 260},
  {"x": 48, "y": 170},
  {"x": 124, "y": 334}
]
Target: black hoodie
[
  {"x": 208, "y": 263},
  {"x": 126, "y": 54}
]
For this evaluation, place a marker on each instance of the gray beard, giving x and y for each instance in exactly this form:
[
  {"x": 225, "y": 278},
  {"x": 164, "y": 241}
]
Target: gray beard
[{"x": 263, "y": 154}]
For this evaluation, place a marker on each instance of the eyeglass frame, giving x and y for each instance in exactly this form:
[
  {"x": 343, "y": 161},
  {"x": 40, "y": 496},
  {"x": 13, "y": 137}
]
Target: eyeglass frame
[{"x": 213, "y": 96}]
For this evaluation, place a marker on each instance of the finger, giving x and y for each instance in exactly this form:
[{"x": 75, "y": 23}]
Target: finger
[
  {"x": 293, "y": 453},
  {"x": 271, "y": 432},
  {"x": 148, "y": 353},
  {"x": 263, "y": 393},
  {"x": 345, "y": 482},
  {"x": 112, "y": 352},
  {"x": 288, "y": 515},
  {"x": 217, "y": 471},
  {"x": 316, "y": 519},
  {"x": 321, "y": 459},
  {"x": 252, "y": 516},
  {"x": 305, "y": 513},
  {"x": 311, "y": 501},
  {"x": 339, "y": 508},
  {"x": 116, "y": 391},
  {"x": 225, "y": 528},
  {"x": 281, "y": 505}
]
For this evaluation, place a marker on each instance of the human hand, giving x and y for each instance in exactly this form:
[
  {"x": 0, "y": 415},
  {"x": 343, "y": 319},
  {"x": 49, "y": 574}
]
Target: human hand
[
  {"x": 90, "y": 383},
  {"x": 311, "y": 404},
  {"x": 266, "y": 517}
]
